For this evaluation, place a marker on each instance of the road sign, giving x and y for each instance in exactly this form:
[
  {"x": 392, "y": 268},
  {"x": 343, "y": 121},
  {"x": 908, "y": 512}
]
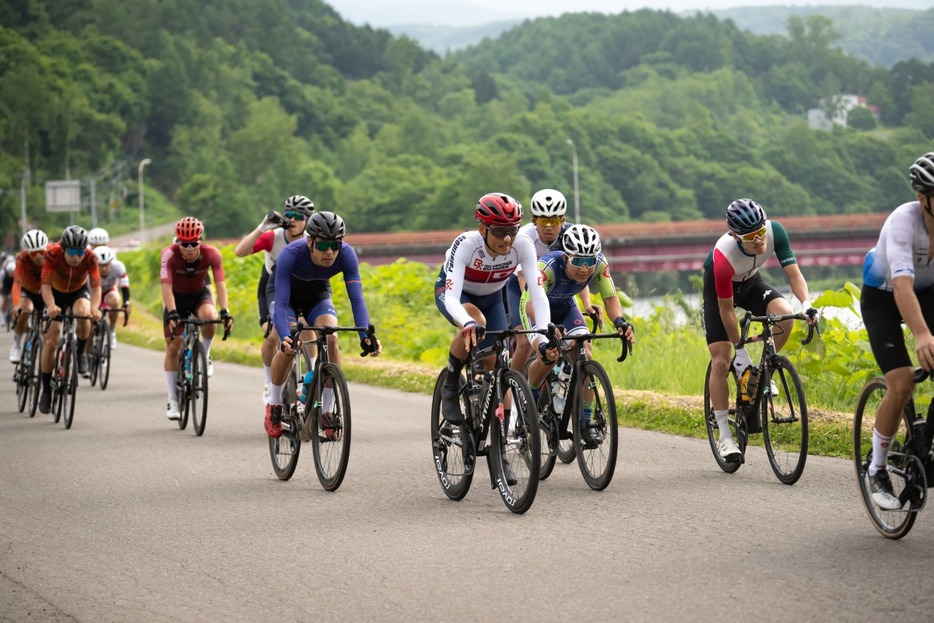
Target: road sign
[{"x": 63, "y": 196}]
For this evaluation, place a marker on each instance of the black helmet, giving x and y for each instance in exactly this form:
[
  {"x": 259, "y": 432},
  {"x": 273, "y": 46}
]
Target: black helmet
[
  {"x": 74, "y": 237},
  {"x": 325, "y": 225},
  {"x": 744, "y": 216},
  {"x": 921, "y": 174}
]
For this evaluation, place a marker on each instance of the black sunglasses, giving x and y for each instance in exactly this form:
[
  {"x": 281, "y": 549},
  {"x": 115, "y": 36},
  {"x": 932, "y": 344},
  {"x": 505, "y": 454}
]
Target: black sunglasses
[
  {"x": 325, "y": 245},
  {"x": 502, "y": 232},
  {"x": 190, "y": 245}
]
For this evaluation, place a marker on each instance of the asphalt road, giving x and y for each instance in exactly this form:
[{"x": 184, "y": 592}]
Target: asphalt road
[{"x": 126, "y": 518}]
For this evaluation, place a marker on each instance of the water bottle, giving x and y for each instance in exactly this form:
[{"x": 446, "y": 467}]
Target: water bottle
[
  {"x": 188, "y": 363},
  {"x": 559, "y": 387},
  {"x": 306, "y": 386}
]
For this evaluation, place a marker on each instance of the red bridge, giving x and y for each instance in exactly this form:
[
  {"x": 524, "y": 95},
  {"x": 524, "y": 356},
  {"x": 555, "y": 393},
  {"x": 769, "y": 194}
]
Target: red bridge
[{"x": 648, "y": 247}]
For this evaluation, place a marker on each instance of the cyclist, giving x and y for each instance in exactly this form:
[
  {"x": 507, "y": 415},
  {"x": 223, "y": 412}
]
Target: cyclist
[
  {"x": 271, "y": 236},
  {"x": 732, "y": 279},
  {"x": 184, "y": 275},
  {"x": 7, "y": 268},
  {"x": 26, "y": 293},
  {"x": 300, "y": 287},
  {"x": 113, "y": 276},
  {"x": 70, "y": 279},
  {"x": 98, "y": 237},
  {"x": 548, "y": 207},
  {"x": 467, "y": 291},
  {"x": 898, "y": 286},
  {"x": 564, "y": 274}
]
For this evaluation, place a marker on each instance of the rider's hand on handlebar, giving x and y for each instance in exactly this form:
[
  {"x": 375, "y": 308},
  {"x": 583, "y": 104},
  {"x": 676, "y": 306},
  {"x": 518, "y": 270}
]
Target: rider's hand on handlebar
[
  {"x": 924, "y": 349},
  {"x": 227, "y": 319},
  {"x": 371, "y": 348},
  {"x": 471, "y": 334},
  {"x": 287, "y": 346},
  {"x": 53, "y": 310},
  {"x": 812, "y": 315},
  {"x": 95, "y": 314},
  {"x": 625, "y": 328},
  {"x": 173, "y": 319}
]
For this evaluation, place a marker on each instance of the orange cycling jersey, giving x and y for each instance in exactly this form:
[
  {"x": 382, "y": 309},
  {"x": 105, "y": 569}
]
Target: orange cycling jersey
[
  {"x": 64, "y": 278},
  {"x": 27, "y": 277}
]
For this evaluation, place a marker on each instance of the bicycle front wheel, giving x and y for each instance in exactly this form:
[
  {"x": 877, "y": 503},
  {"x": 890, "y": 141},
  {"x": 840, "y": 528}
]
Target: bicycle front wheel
[
  {"x": 183, "y": 385},
  {"x": 596, "y": 429},
  {"x": 737, "y": 423},
  {"x": 103, "y": 362},
  {"x": 784, "y": 414},
  {"x": 515, "y": 450},
  {"x": 199, "y": 389},
  {"x": 904, "y": 468},
  {"x": 35, "y": 387},
  {"x": 70, "y": 384},
  {"x": 330, "y": 441},
  {"x": 451, "y": 446},
  {"x": 21, "y": 376},
  {"x": 94, "y": 355}
]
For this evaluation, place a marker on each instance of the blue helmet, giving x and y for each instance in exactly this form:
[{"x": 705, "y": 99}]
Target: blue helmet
[{"x": 744, "y": 216}]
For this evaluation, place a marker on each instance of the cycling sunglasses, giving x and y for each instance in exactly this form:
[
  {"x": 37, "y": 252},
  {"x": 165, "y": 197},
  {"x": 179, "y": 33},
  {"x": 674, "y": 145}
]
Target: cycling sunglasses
[
  {"x": 583, "y": 262},
  {"x": 194, "y": 244},
  {"x": 549, "y": 221},
  {"x": 39, "y": 253},
  {"x": 294, "y": 216},
  {"x": 754, "y": 235},
  {"x": 328, "y": 245},
  {"x": 75, "y": 252},
  {"x": 502, "y": 232}
]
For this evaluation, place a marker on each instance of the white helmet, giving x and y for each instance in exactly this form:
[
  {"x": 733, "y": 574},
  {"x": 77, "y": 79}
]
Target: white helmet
[
  {"x": 549, "y": 202},
  {"x": 581, "y": 240},
  {"x": 35, "y": 240},
  {"x": 98, "y": 236},
  {"x": 105, "y": 255}
]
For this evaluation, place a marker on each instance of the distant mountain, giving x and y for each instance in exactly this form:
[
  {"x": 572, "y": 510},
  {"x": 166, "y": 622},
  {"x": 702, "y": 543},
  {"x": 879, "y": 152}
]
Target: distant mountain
[{"x": 881, "y": 36}]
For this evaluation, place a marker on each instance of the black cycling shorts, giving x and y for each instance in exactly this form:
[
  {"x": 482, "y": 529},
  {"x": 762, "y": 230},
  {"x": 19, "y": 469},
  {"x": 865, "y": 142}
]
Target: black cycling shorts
[
  {"x": 884, "y": 325},
  {"x": 753, "y": 295}
]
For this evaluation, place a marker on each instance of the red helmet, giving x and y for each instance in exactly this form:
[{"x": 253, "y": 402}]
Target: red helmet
[
  {"x": 189, "y": 229},
  {"x": 498, "y": 209}
]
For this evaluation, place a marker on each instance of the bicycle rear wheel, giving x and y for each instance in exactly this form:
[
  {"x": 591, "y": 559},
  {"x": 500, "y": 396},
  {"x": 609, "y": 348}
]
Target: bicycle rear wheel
[
  {"x": 905, "y": 470},
  {"x": 451, "y": 446},
  {"x": 70, "y": 384},
  {"x": 596, "y": 429},
  {"x": 199, "y": 389},
  {"x": 103, "y": 362},
  {"x": 784, "y": 420},
  {"x": 737, "y": 423},
  {"x": 35, "y": 387},
  {"x": 515, "y": 451},
  {"x": 285, "y": 449},
  {"x": 330, "y": 441}
]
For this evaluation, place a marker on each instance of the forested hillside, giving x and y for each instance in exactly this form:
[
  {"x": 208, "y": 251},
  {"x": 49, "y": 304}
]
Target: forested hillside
[{"x": 239, "y": 103}]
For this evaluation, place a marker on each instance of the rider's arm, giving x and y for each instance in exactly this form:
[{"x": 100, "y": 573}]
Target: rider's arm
[
  {"x": 454, "y": 270},
  {"x": 529, "y": 263},
  {"x": 798, "y": 285},
  {"x": 282, "y": 274},
  {"x": 165, "y": 276},
  {"x": 909, "y": 308},
  {"x": 94, "y": 280},
  {"x": 354, "y": 285},
  {"x": 723, "y": 285},
  {"x": 254, "y": 242}
]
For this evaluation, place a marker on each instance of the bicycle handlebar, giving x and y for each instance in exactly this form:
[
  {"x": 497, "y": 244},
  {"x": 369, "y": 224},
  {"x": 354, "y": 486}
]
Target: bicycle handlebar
[
  {"x": 193, "y": 320},
  {"x": 771, "y": 319},
  {"x": 326, "y": 330},
  {"x": 47, "y": 320}
]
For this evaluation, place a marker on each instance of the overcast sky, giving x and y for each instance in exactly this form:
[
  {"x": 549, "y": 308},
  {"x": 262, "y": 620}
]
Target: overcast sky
[{"x": 460, "y": 12}]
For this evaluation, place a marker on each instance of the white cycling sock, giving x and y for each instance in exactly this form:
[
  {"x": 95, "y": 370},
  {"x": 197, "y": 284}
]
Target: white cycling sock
[
  {"x": 275, "y": 394},
  {"x": 880, "y": 451},
  {"x": 267, "y": 372},
  {"x": 206, "y": 342},
  {"x": 17, "y": 339},
  {"x": 327, "y": 400},
  {"x": 723, "y": 423},
  {"x": 170, "y": 386}
]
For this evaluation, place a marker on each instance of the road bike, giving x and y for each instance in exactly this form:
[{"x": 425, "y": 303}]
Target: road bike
[
  {"x": 776, "y": 408},
  {"x": 191, "y": 382},
  {"x": 578, "y": 392},
  {"x": 910, "y": 462},
  {"x": 501, "y": 423},
  {"x": 323, "y": 418},
  {"x": 26, "y": 372},
  {"x": 99, "y": 354},
  {"x": 64, "y": 384}
]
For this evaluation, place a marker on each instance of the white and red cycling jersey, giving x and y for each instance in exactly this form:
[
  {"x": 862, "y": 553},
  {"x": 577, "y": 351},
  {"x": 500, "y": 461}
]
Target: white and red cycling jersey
[
  {"x": 731, "y": 263},
  {"x": 469, "y": 268},
  {"x": 272, "y": 242},
  {"x": 117, "y": 277}
]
